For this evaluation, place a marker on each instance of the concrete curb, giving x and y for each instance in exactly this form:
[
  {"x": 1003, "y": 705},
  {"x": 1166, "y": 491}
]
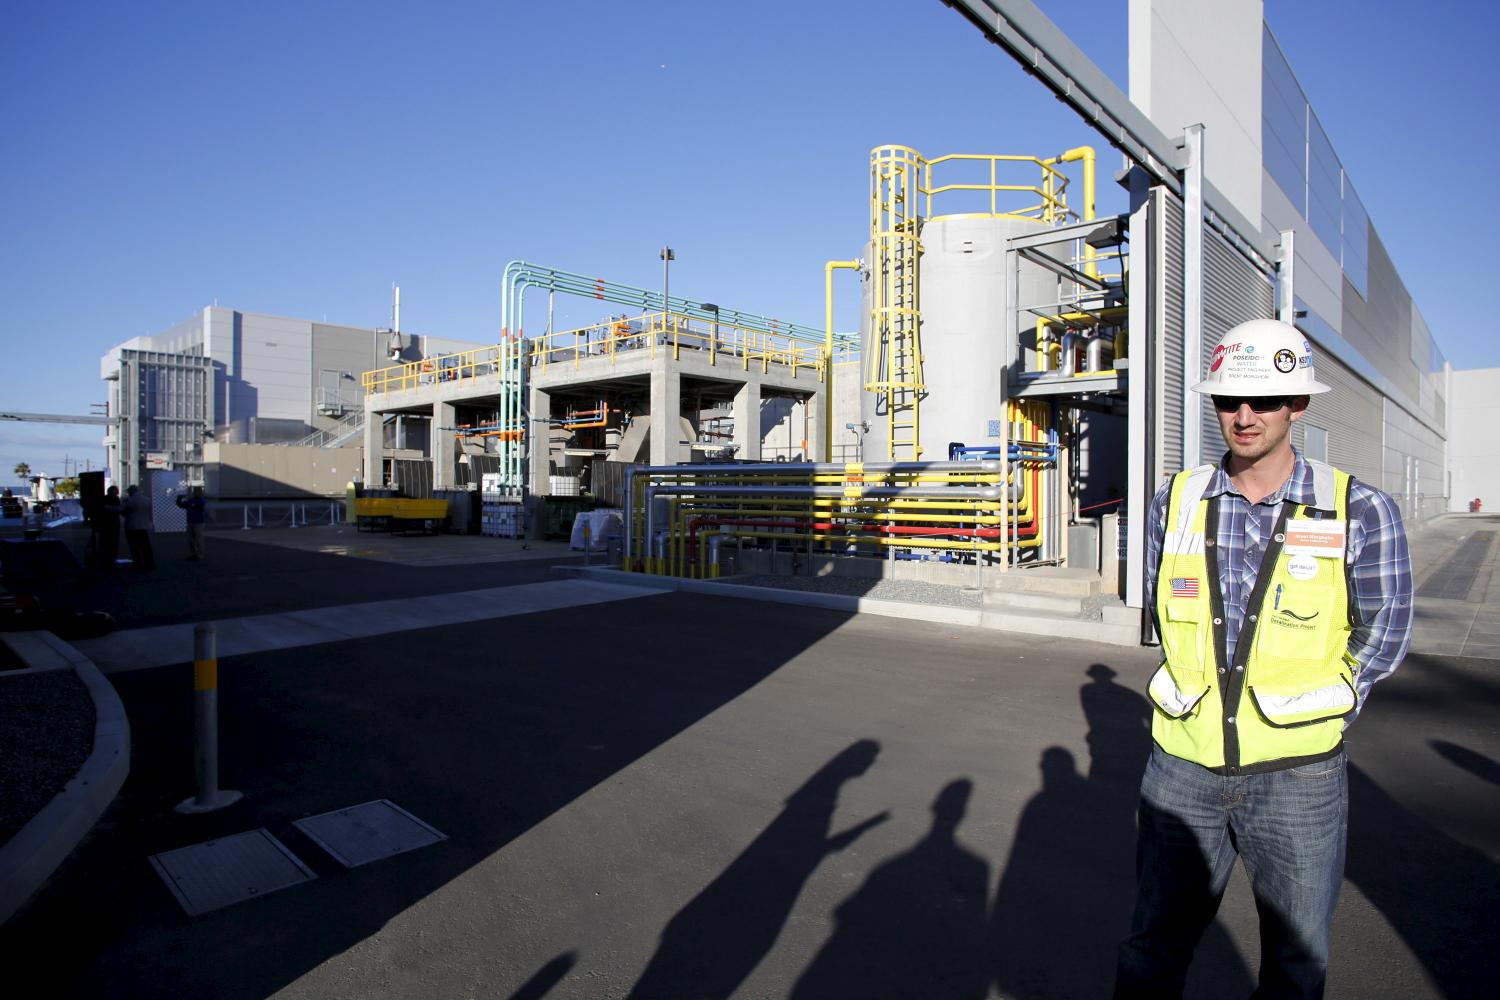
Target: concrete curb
[
  {"x": 1021, "y": 623},
  {"x": 30, "y": 857}
]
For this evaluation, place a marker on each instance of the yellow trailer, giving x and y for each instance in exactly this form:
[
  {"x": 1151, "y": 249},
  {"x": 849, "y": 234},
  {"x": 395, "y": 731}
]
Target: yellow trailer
[{"x": 403, "y": 514}]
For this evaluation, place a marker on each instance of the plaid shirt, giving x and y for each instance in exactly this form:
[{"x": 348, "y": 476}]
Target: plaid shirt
[{"x": 1379, "y": 564}]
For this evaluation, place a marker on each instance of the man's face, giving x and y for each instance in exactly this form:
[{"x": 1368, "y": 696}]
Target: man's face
[{"x": 1252, "y": 435}]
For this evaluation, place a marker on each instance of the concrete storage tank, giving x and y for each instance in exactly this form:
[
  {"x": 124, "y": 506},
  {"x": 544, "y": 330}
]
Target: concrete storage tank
[{"x": 969, "y": 333}]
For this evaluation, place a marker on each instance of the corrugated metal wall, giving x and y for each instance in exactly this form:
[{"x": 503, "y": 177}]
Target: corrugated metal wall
[
  {"x": 607, "y": 481},
  {"x": 1352, "y": 414},
  {"x": 412, "y": 476}
]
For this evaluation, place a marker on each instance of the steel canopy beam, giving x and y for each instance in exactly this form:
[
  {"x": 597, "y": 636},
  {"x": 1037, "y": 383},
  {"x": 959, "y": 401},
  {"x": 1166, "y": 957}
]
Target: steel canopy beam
[
  {"x": 1063, "y": 270},
  {"x": 58, "y": 418},
  {"x": 1020, "y": 28}
]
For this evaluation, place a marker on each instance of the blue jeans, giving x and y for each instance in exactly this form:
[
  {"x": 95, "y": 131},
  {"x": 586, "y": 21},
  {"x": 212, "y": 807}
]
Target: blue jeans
[{"x": 1289, "y": 828}]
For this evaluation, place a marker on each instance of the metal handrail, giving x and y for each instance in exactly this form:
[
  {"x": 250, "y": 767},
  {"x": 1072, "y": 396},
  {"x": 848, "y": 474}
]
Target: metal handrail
[
  {"x": 430, "y": 371},
  {"x": 349, "y": 424},
  {"x": 675, "y": 332},
  {"x": 1051, "y": 192}
]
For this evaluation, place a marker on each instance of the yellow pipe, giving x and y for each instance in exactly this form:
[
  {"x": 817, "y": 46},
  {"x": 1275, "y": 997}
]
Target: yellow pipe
[
  {"x": 1087, "y": 155},
  {"x": 828, "y": 269},
  {"x": 903, "y": 543}
]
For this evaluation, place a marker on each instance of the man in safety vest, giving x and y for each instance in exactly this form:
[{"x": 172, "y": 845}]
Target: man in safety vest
[{"x": 1282, "y": 590}]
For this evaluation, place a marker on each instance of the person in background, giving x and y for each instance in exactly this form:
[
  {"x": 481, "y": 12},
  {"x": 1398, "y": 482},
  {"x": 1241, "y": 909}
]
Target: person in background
[
  {"x": 107, "y": 529},
  {"x": 194, "y": 504},
  {"x": 44, "y": 494},
  {"x": 137, "y": 511}
]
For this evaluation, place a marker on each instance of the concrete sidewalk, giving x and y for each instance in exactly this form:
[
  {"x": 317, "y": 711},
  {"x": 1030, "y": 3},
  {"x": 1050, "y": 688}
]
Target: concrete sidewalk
[{"x": 156, "y": 646}]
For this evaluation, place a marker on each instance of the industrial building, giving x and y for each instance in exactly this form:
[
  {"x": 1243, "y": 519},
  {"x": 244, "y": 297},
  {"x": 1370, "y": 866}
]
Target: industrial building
[{"x": 224, "y": 377}]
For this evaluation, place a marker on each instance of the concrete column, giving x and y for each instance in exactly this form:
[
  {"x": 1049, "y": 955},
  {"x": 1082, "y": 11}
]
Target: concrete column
[
  {"x": 540, "y": 436},
  {"x": 374, "y": 447},
  {"x": 816, "y": 406},
  {"x": 666, "y": 414},
  {"x": 747, "y": 434},
  {"x": 441, "y": 439}
]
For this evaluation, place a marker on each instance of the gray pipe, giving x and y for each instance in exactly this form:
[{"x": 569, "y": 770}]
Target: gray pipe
[
  {"x": 1069, "y": 353},
  {"x": 1095, "y": 359}
]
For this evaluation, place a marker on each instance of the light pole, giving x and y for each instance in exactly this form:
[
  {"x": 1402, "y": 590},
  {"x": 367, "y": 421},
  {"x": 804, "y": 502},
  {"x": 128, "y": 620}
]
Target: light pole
[
  {"x": 713, "y": 344},
  {"x": 667, "y": 256}
]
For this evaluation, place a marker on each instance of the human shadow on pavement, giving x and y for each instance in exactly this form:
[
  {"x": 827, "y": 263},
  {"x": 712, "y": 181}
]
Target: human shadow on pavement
[
  {"x": 916, "y": 928},
  {"x": 483, "y": 730},
  {"x": 546, "y": 977},
  {"x": 1065, "y": 898},
  {"x": 1476, "y": 764},
  {"x": 1440, "y": 895},
  {"x": 718, "y": 938}
]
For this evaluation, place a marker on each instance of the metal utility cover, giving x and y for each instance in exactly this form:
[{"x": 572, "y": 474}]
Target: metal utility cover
[
  {"x": 364, "y": 833},
  {"x": 216, "y": 873}
]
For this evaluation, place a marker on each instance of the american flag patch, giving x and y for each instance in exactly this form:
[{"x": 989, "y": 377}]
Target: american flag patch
[{"x": 1184, "y": 586}]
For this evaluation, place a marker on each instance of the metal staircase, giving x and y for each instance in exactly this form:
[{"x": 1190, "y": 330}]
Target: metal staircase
[{"x": 340, "y": 433}]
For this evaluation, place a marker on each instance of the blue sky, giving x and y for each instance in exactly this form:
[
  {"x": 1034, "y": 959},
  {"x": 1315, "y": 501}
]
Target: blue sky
[{"x": 297, "y": 158}]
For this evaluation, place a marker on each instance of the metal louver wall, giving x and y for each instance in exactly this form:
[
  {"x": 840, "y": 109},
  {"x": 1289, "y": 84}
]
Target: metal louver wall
[
  {"x": 1169, "y": 404},
  {"x": 1234, "y": 291}
]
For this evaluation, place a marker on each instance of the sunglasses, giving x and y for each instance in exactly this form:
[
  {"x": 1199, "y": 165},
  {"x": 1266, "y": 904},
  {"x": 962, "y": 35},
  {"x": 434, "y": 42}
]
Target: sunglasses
[{"x": 1260, "y": 404}]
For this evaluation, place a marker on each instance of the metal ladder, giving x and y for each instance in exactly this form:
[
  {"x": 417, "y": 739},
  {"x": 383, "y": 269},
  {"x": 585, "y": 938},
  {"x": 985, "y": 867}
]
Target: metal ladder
[{"x": 894, "y": 370}]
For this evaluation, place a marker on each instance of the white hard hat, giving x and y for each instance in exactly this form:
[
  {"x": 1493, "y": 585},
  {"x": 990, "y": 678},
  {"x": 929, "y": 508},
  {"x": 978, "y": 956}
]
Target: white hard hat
[{"x": 1263, "y": 357}]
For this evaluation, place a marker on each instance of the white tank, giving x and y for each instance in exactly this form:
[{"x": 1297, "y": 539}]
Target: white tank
[{"x": 969, "y": 337}]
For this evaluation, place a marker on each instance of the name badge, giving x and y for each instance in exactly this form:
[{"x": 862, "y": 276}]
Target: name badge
[{"x": 1324, "y": 539}]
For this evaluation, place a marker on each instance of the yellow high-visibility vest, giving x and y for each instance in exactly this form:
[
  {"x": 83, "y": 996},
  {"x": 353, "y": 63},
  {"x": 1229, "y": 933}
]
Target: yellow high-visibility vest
[{"x": 1283, "y": 698}]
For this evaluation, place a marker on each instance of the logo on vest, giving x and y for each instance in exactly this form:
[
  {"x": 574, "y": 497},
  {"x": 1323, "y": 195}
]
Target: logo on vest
[{"x": 1287, "y": 618}]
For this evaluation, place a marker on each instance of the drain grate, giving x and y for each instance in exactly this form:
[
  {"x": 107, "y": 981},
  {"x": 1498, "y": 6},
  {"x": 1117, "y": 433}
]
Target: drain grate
[
  {"x": 218, "y": 873},
  {"x": 1453, "y": 580},
  {"x": 369, "y": 832}
]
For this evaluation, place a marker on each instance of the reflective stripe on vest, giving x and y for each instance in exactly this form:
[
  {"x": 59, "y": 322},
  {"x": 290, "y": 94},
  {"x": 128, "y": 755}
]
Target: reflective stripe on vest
[{"x": 1291, "y": 683}]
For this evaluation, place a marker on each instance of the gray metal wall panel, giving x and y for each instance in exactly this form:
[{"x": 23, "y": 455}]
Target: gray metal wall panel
[
  {"x": 1353, "y": 417},
  {"x": 1379, "y": 325},
  {"x": 275, "y": 364},
  {"x": 340, "y": 349},
  {"x": 1414, "y": 468}
]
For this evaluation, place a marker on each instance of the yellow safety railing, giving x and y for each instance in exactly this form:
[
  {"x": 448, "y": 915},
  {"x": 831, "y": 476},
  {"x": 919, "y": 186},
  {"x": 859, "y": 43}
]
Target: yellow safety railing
[
  {"x": 1050, "y": 193},
  {"x": 434, "y": 370},
  {"x": 717, "y": 342}
]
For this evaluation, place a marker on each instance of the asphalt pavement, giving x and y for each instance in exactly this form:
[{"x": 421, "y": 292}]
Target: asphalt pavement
[{"x": 684, "y": 795}]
